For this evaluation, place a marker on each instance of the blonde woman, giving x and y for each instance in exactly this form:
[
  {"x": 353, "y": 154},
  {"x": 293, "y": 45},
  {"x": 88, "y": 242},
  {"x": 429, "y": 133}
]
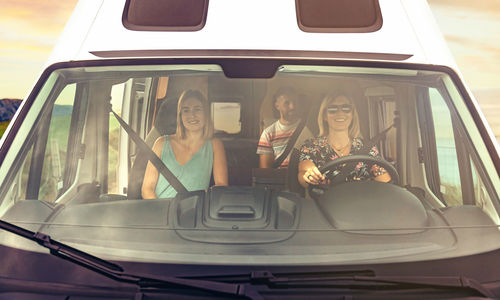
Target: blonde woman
[
  {"x": 339, "y": 136},
  {"x": 191, "y": 154}
]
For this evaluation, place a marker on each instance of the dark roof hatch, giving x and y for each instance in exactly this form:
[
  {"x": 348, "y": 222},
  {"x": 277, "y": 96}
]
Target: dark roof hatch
[
  {"x": 338, "y": 15},
  {"x": 165, "y": 15}
]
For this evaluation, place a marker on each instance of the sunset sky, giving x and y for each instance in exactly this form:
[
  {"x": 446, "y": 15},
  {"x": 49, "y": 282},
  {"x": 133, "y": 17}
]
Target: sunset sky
[
  {"x": 28, "y": 32},
  {"x": 29, "y": 29}
]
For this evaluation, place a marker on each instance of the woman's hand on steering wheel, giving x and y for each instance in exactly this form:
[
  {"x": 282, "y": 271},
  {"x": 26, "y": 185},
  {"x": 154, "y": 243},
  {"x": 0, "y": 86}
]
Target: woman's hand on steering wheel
[
  {"x": 367, "y": 159},
  {"x": 316, "y": 191},
  {"x": 313, "y": 176}
]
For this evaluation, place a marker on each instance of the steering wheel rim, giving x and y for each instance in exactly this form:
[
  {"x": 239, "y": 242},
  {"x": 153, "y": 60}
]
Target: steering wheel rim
[
  {"x": 331, "y": 165},
  {"x": 318, "y": 189},
  {"x": 366, "y": 159}
]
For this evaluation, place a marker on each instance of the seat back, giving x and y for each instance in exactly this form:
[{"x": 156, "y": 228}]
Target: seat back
[{"x": 241, "y": 157}]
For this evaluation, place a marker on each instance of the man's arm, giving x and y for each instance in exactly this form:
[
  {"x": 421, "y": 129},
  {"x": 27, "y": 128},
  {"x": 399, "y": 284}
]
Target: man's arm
[
  {"x": 265, "y": 151},
  {"x": 266, "y": 160}
]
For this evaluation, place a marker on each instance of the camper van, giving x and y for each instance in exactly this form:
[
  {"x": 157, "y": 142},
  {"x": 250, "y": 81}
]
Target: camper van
[{"x": 250, "y": 149}]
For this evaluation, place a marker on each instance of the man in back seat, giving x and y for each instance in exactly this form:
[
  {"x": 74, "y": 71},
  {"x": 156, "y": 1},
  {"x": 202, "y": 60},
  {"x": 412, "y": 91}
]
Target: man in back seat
[{"x": 274, "y": 138}]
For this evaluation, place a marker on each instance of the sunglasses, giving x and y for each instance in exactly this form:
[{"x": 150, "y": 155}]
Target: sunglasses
[{"x": 346, "y": 108}]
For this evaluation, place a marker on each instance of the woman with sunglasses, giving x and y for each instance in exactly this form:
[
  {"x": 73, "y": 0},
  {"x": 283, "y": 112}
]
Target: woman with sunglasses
[{"x": 339, "y": 135}]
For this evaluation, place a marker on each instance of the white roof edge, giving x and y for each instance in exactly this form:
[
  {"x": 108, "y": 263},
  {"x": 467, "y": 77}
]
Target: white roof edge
[
  {"x": 76, "y": 31},
  {"x": 409, "y": 28},
  {"x": 428, "y": 33}
]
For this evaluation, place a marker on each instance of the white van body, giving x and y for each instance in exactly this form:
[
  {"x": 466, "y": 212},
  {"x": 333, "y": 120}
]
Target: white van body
[
  {"x": 409, "y": 33},
  {"x": 72, "y": 170}
]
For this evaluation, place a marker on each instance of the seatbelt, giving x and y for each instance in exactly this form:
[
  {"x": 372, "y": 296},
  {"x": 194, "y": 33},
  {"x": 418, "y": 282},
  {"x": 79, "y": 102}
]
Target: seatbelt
[
  {"x": 373, "y": 141},
  {"x": 153, "y": 158},
  {"x": 290, "y": 144}
]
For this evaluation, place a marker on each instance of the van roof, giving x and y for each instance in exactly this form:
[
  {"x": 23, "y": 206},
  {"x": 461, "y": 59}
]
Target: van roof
[{"x": 252, "y": 28}]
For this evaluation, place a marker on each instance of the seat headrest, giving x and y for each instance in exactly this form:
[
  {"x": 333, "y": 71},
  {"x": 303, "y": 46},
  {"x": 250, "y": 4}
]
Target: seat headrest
[{"x": 166, "y": 118}]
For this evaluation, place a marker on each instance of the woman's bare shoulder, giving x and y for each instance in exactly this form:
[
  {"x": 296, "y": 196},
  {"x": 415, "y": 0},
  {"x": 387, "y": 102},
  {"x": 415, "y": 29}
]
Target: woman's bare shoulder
[{"x": 159, "y": 142}]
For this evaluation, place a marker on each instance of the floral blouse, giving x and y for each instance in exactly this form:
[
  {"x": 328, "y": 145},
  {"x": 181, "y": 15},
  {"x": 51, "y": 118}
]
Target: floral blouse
[{"x": 320, "y": 152}]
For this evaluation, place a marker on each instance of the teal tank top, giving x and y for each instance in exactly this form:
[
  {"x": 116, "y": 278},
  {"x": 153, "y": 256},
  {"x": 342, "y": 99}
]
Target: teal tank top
[{"x": 194, "y": 175}]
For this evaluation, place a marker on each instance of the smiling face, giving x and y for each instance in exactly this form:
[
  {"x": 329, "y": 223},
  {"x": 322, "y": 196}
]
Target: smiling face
[
  {"x": 286, "y": 104},
  {"x": 338, "y": 116},
  {"x": 192, "y": 114}
]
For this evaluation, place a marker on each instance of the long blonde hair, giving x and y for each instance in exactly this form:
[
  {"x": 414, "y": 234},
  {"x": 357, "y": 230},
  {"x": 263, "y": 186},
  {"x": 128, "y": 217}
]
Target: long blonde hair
[
  {"x": 208, "y": 128},
  {"x": 354, "y": 129}
]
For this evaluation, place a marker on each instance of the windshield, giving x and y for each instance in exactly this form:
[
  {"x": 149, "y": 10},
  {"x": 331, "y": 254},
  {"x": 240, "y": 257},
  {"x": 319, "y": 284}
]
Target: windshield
[{"x": 317, "y": 165}]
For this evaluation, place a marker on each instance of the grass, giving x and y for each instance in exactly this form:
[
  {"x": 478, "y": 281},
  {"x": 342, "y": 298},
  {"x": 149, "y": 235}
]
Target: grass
[
  {"x": 452, "y": 194},
  {"x": 3, "y": 127},
  {"x": 113, "y": 158}
]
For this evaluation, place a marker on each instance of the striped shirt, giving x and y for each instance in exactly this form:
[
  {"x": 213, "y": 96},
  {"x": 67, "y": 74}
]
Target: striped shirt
[{"x": 274, "y": 140}]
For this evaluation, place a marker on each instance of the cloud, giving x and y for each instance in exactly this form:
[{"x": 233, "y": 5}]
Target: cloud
[
  {"x": 47, "y": 15},
  {"x": 32, "y": 26},
  {"x": 477, "y": 44},
  {"x": 485, "y": 6},
  {"x": 471, "y": 31},
  {"x": 477, "y": 59},
  {"x": 29, "y": 29},
  {"x": 28, "y": 32}
]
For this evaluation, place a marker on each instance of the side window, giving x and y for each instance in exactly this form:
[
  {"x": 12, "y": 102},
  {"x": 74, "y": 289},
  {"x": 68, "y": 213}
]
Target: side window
[
  {"x": 482, "y": 197},
  {"x": 382, "y": 102},
  {"x": 54, "y": 161},
  {"x": 118, "y": 92},
  {"x": 127, "y": 100},
  {"x": 389, "y": 113},
  {"x": 44, "y": 173},
  {"x": 18, "y": 189},
  {"x": 447, "y": 158},
  {"x": 453, "y": 169}
]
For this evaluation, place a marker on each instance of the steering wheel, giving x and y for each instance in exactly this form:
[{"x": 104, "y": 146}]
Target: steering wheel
[{"x": 367, "y": 159}]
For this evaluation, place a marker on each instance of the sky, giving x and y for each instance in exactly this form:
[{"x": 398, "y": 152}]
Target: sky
[
  {"x": 29, "y": 30},
  {"x": 472, "y": 31}
]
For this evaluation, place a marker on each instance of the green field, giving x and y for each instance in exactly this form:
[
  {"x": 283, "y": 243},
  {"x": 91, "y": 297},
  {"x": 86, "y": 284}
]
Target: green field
[{"x": 3, "y": 126}]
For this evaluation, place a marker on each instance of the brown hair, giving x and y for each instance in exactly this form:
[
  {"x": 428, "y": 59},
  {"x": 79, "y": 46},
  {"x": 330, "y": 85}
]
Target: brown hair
[
  {"x": 354, "y": 130},
  {"x": 208, "y": 128}
]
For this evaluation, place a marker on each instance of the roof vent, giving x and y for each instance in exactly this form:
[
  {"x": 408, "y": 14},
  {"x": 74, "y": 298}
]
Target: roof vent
[
  {"x": 165, "y": 15},
  {"x": 338, "y": 15}
]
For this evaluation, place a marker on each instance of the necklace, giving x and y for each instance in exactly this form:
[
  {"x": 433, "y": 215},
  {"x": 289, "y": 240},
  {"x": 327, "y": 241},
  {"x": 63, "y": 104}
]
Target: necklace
[{"x": 341, "y": 151}]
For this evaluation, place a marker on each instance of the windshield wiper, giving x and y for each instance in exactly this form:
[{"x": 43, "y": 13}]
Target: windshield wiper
[
  {"x": 116, "y": 272},
  {"x": 354, "y": 279},
  {"x": 396, "y": 281},
  {"x": 245, "y": 288}
]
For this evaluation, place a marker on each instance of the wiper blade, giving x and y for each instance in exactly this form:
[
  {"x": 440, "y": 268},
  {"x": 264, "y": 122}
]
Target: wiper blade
[
  {"x": 354, "y": 279},
  {"x": 290, "y": 281},
  {"x": 116, "y": 272}
]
